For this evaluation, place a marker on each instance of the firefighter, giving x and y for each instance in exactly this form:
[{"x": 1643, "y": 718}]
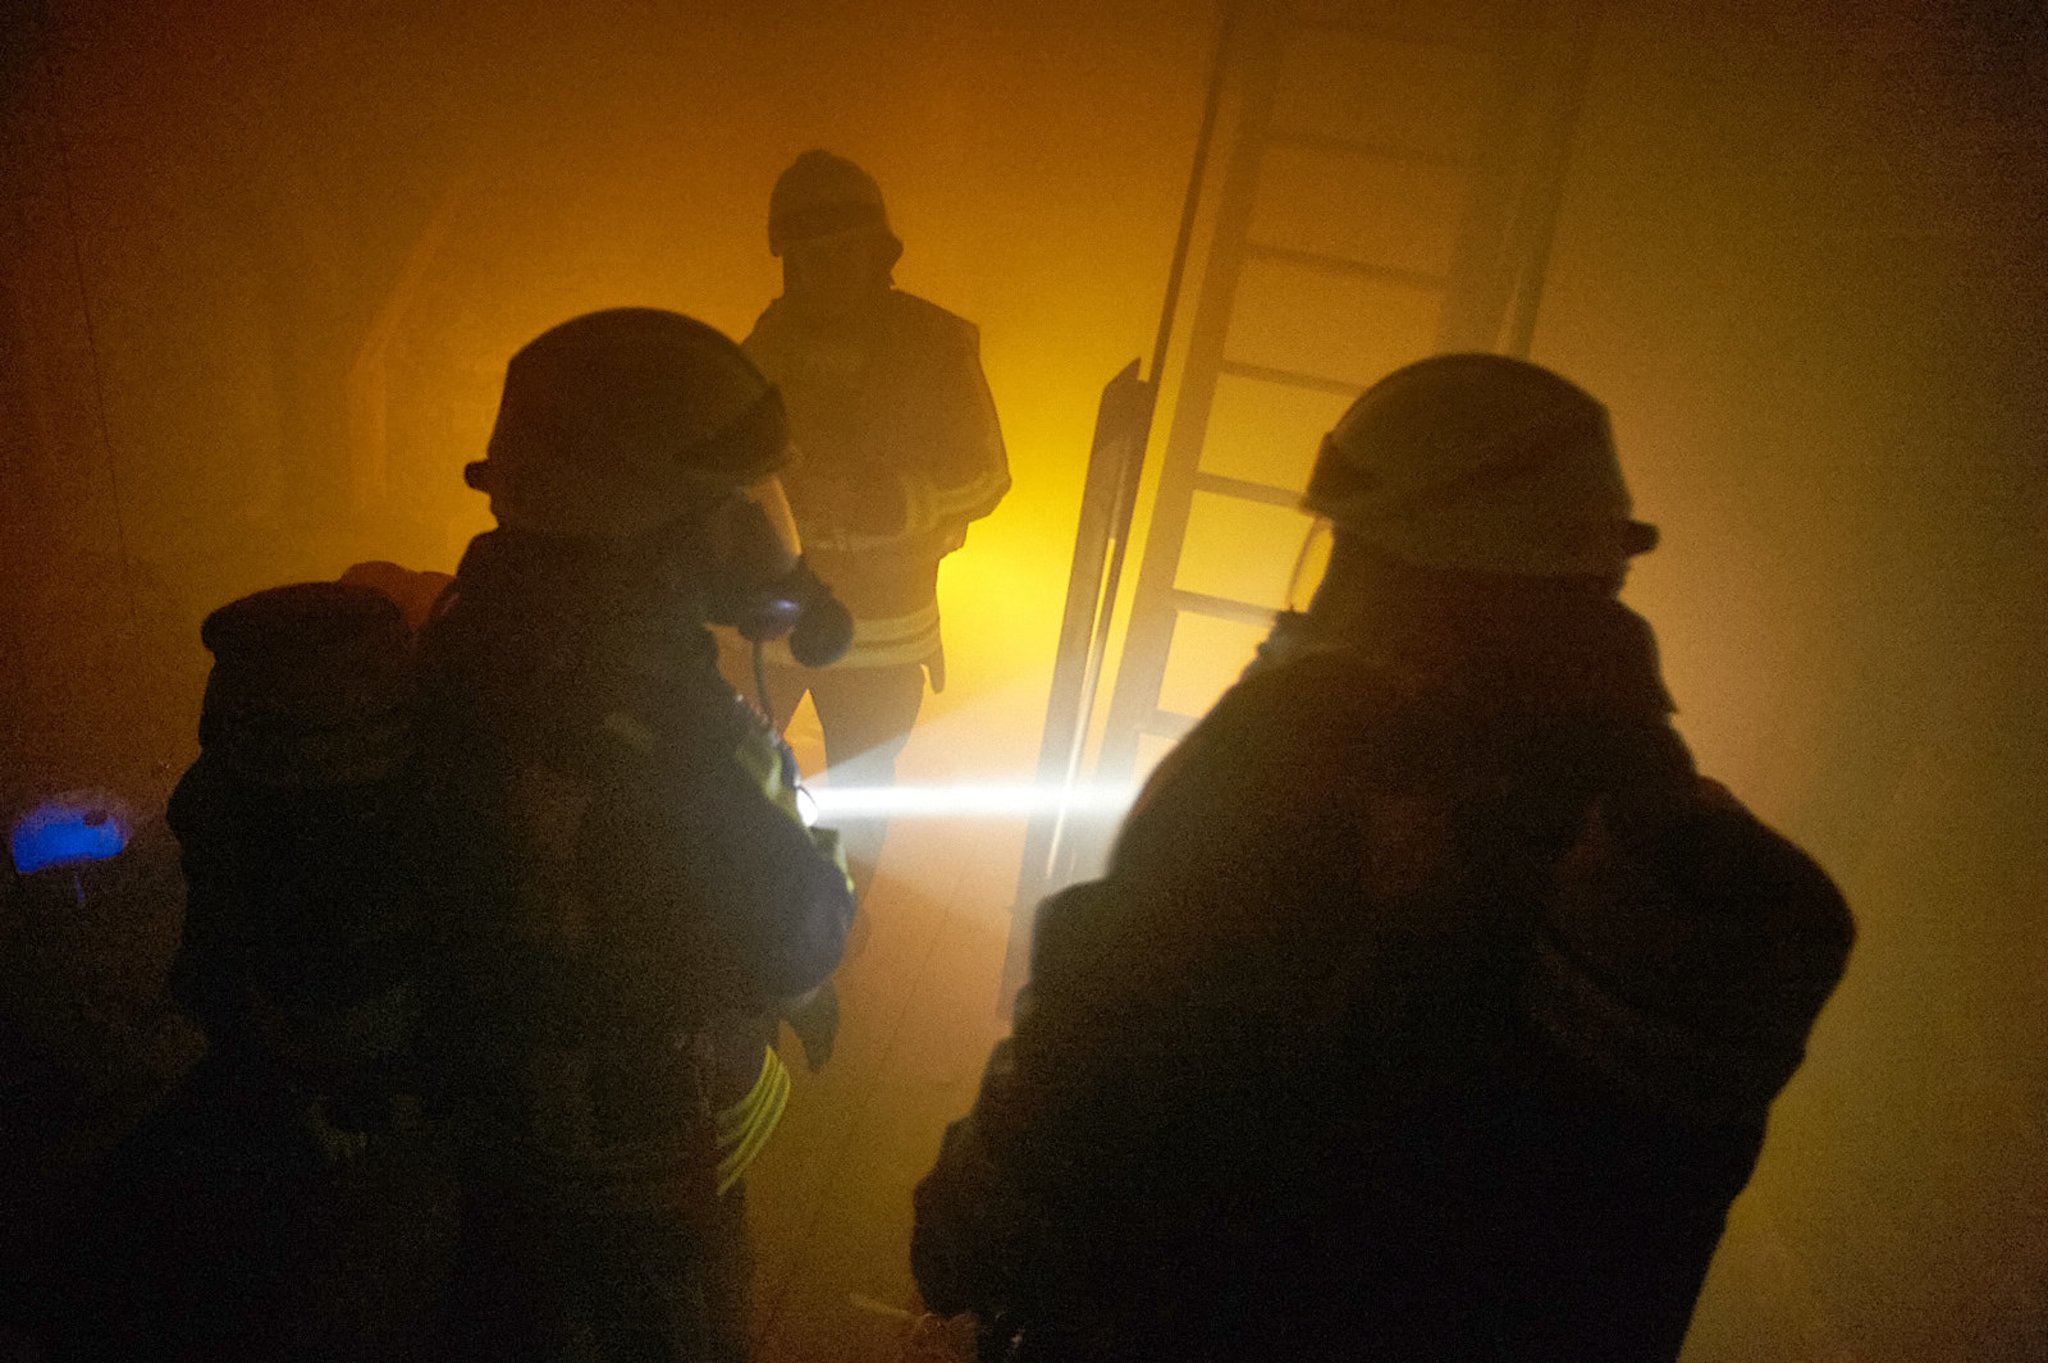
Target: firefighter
[
  {"x": 898, "y": 451},
  {"x": 628, "y": 889},
  {"x": 281, "y": 1201},
  {"x": 1432, "y": 1004}
]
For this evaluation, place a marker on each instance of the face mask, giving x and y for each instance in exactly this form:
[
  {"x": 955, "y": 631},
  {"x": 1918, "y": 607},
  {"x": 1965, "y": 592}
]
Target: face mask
[
  {"x": 839, "y": 276},
  {"x": 763, "y": 588},
  {"x": 1310, "y": 564},
  {"x": 1293, "y": 628}
]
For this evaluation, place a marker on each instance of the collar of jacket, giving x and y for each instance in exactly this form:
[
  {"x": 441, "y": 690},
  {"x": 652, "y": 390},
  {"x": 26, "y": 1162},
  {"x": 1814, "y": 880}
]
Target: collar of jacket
[
  {"x": 1534, "y": 652},
  {"x": 549, "y": 627},
  {"x": 548, "y": 578}
]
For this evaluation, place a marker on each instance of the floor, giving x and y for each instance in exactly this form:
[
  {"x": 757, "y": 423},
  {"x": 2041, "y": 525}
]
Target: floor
[{"x": 830, "y": 1197}]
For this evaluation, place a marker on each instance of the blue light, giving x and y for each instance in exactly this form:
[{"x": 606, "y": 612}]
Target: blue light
[{"x": 73, "y": 829}]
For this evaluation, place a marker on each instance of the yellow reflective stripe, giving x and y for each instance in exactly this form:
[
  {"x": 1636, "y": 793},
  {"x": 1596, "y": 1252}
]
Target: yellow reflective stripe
[
  {"x": 895, "y": 628},
  {"x": 920, "y": 503},
  {"x": 927, "y": 505},
  {"x": 914, "y": 648},
  {"x": 930, "y": 504},
  {"x": 744, "y": 1128},
  {"x": 963, "y": 499}
]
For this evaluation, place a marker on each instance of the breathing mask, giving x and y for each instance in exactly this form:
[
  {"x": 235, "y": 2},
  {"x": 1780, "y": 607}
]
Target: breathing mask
[{"x": 762, "y": 586}]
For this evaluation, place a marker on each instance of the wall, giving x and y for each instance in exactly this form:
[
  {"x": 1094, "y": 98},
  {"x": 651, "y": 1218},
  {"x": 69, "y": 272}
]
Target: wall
[
  {"x": 1801, "y": 256},
  {"x": 275, "y": 258}
]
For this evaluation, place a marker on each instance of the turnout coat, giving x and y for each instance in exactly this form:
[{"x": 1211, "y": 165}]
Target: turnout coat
[{"x": 1431, "y": 1007}]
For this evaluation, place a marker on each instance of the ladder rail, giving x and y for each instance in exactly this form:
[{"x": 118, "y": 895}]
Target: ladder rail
[
  {"x": 1517, "y": 70},
  {"x": 1150, "y": 633}
]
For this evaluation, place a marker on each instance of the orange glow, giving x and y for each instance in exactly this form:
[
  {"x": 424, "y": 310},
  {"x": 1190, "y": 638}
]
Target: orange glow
[{"x": 265, "y": 264}]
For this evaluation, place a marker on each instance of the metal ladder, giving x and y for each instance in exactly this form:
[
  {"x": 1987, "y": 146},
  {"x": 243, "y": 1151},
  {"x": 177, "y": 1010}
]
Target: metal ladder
[
  {"x": 1388, "y": 178},
  {"x": 1392, "y": 179}
]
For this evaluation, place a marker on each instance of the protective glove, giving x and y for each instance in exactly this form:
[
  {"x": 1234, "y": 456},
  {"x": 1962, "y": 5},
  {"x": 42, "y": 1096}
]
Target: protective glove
[{"x": 815, "y": 1020}]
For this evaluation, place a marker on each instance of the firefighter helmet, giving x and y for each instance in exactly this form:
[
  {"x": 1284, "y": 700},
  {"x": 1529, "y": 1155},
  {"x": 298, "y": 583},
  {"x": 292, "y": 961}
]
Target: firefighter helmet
[
  {"x": 1480, "y": 463},
  {"x": 822, "y": 195},
  {"x": 616, "y": 422}
]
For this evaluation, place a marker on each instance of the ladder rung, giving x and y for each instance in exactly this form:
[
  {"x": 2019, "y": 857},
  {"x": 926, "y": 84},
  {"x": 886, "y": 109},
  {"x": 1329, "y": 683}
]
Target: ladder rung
[
  {"x": 1289, "y": 378},
  {"x": 1315, "y": 260},
  {"x": 1367, "y": 151},
  {"x": 1246, "y": 490},
  {"x": 1167, "y": 724},
  {"x": 1221, "y": 607}
]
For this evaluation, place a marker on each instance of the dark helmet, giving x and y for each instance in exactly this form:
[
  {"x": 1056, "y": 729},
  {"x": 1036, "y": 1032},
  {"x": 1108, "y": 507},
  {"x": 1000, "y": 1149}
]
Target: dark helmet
[
  {"x": 312, "y": 686},
  {"x": 616, "y": 422},
  {"x": 1480, "y": 463},
  {"x": 822, "y": 195}
]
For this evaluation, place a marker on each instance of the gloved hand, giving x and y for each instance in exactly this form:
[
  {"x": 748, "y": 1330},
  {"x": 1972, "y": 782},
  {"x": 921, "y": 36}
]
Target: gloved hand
[{"x": 815, "y": 1020}]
